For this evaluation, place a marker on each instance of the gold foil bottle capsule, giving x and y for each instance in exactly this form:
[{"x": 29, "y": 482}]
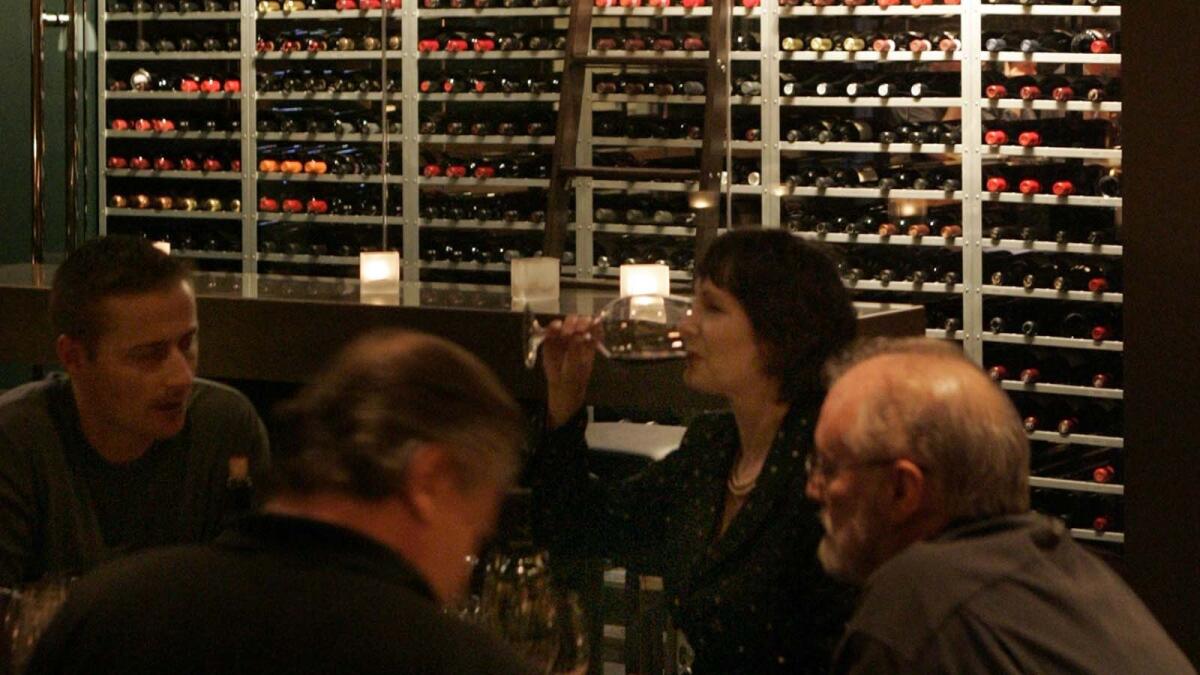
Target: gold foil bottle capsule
[
  {"x": 265, "y": 6},
  {"x": 186, "y": 204},
  {"x": 164, "y": 202},
  {"x": 118, "y": 201},
  {"x": 212, "y": 204},
  {"x": 141, "y": 202},
  {"x": 235, "y": 205},
  {"x": 369, "y": 43},
  {"x": 293, "y": 5},
  {"x": 394, "y": 42},
  {"x": 344, "y": 44}
]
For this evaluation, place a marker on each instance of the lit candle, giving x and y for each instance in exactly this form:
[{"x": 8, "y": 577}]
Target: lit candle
[
  {"x": 164, "y": 246},
  {"x": 653, "y": 279},
  {"x": 534, "y": 279},
  {"x": 379, "y": 273}
]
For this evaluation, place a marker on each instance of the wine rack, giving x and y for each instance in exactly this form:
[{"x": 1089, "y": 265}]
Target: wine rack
[{"x": 437, "y": 220}]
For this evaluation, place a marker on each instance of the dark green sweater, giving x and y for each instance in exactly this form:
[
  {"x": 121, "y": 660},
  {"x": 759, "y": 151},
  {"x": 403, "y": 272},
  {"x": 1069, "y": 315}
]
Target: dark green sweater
[{"x": 64, "y": 509}]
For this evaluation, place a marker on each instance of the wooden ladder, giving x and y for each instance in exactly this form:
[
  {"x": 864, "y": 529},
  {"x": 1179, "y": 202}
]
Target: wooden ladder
[{"x": 706, "y": 199}]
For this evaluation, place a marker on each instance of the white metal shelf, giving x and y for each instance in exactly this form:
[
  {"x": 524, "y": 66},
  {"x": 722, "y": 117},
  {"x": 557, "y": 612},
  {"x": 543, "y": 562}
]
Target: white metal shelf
[
  {"x": 551, "y": 97},
  {"x": 870, "y": 193},
  {"x": 309, "y": 259},
  {"x": 174, "y": 175},
  {"x": 177, "y": 95},
  {"x": 652, "y": 11},
  {"x": 480, "y": 182},
  {"x": 158, "y": 213},
  {"x": 281, "y": 217},
  {"x": 1052, "y": 152},
  {"x": 305, "y": 137},
  {"x": 354, "y": 178},
  {"x": 197, "y": 254},
  {"x": 175, "y": 135},
  {"x": 329, "y": 55},
  {"x": 465, "y": 266},
  {"x": 1040, "y": 104},
  {"x": 871, "y": 102},
  {"x": 1077, "y": 439},
  {"x": 492, "y": 55},
  {"x": 1076, "y": 485},
  {"x": 1092, "y": 535},
  {"x": 172, "y": 16},
  {"x": 513, "y": 225},
  {"x": 1053, "y": 247},
  {"x": 1062, "y": 389},
  {"x": 492, "y": 12},
  {"x": 672, "y": 98},
  {"x": 897, "y": 148},
  {"x": 1049, "y": 57},
  {"x": 942, "y": 334},
  {"x": 172, "y": 56},
  {"x": 665, "y": 230},
  {"x": 643, "y": 186},
  {"x": 1051, "y": 294},
  {"x": 320, "y": 96},
  {"x": 871, "y": 10},
  {"x": 1050, "y": 200},
  {"x": 877, "y": 239},
  {"x": 871, "y": 57},
  {"x": 904, "y": 286},
  {"x": 326, "y": 14},
  {"x": 654, "y": 142},
  {"x": 491, "y": 139},
  {"x": 1048, "y": 10},
  {"x": 1050, "y": 341}
]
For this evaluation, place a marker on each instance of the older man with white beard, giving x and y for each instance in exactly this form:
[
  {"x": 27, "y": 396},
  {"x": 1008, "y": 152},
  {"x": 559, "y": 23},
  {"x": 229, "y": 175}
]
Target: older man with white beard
[{"x": 920, "y": 466}]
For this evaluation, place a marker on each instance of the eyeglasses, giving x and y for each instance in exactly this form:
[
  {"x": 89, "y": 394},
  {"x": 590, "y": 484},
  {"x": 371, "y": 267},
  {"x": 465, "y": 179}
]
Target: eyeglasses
[{"x": 816, "y": 466}]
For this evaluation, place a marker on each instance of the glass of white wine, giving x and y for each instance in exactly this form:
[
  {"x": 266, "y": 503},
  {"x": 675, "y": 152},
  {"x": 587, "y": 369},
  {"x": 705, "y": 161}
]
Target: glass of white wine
[{"x": 630, "y": 328}]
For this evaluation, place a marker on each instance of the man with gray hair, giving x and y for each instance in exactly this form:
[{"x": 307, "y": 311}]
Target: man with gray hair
[
  {"x": 920, "y": 466},
  {"x": 399, "y": 457}
]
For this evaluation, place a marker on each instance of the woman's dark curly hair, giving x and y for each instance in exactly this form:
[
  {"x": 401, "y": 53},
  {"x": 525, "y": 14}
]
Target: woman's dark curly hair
[{"x": 794, "y": 297}]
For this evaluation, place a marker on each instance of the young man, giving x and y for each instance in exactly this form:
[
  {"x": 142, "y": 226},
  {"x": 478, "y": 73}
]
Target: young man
[
  {"x": 921, "y": 471},
  {"x": 399, "y": 456},
  {"x": 128, "y": 449}
]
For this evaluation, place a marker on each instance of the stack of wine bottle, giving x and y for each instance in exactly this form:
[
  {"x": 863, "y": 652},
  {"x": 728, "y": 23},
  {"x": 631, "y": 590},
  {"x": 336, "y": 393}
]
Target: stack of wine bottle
[
  {"x": 327, "y": 80},
  {"x": 886, "y": 265},
  {"x": 912, "y": 41},
  {"x": 518, "y": 165},
  {"x": 158, "y": 125},
  {"x": 488, "y": 40},
  {"x": 510, "y": 208},
  {"x": 940, "y": 222},
  {"x": 1081, "y": 321},
  {"x": 1058, "y": 179},
  {"x": 822, "y": 175},
  {"x": 485, "y": 122},
  {"x": 1053, "y": 86},
  {"x": 1061, "y": 273},
  {"x": 177, "y": 201},
  {"x": 627, "y": 249},
  {"x": 171, "y": 7},
  {"x": 185, "y": 43},
  {"x": 340, "y": 160},
  {"x": 319, "y": 200},
  {"x": 321, "y": 39},
  {"x": 143, "y": 80},
  {"x": 858, "y": 83},
  {"x": 317, "y": 120},
  {"x": 1072, "y": 367},
  {"x": 169, "y": 162},
  {"x": 489, "y": 81},
  {"x": 1089, "y": 41}
]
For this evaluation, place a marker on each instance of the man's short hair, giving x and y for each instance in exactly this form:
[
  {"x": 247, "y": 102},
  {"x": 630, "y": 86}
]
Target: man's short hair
[
  {"x": 102, "y": 268},
  {"x": 793, "y": 296},
  {"x": 974, "y": 448},
  {"x": 354, "y": 429}
]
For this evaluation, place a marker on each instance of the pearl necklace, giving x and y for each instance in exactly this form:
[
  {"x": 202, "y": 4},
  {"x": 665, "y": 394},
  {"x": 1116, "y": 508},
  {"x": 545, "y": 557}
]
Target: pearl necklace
[{"x": 742, "y": 488}]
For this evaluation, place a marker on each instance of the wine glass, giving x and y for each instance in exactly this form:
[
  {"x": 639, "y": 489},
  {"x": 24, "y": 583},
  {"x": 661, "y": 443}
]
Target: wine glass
[
  {"x": 27, "y": 613},
  {"x": 544, "y": 625},
  {"x": 630, "y": 328}
]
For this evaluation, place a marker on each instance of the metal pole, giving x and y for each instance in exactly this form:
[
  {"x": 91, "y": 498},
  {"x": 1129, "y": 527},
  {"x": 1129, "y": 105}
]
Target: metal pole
[
  {"x": 72, "y": 138},
  {"x": 37, "y": 86}
]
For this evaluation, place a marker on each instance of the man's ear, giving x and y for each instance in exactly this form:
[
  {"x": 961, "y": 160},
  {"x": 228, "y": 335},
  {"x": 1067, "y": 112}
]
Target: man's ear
[
  {"x": 427, "y": 479},
  {"x": 71, "y": 352},
  {"x": 909, "y": 490}
]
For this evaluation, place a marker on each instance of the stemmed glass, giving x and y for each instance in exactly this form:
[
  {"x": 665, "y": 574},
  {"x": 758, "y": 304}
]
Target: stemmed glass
[
  {"x": 631, "y": 328},
  {"x": 540, "y": 622},
  {"x": 27, "y": 612}
]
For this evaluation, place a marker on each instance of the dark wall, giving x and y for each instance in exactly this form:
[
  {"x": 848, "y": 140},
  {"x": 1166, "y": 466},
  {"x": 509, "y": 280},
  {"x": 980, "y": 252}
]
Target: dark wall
[
  {"x": 1162, "y": 306},
  {"x": 16, "y": 162}
]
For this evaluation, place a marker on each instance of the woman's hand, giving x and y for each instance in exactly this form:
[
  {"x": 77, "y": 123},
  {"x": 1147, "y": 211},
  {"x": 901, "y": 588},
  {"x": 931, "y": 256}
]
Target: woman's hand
[{"x": 567, "y": 357}]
